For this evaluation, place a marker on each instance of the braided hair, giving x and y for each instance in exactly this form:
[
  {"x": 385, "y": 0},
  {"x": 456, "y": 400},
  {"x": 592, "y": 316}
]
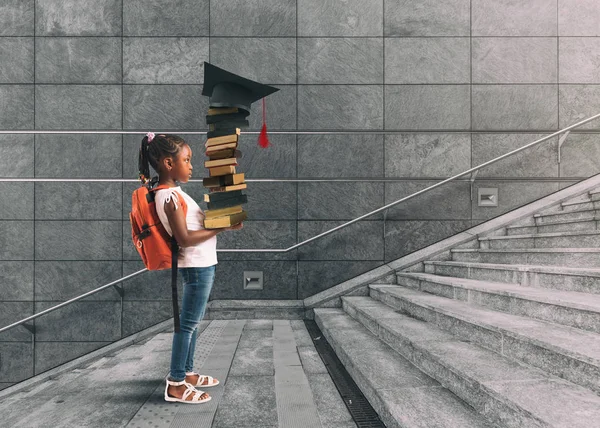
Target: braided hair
[{"x": 151, "y": 153}]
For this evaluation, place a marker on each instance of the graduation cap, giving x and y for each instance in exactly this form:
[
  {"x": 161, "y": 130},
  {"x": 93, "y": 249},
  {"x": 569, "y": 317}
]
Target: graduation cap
[{"x": 226, "y": 89}]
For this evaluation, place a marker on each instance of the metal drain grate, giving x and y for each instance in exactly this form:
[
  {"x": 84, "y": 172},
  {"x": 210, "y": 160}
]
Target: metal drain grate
[{"x": 360, "y": 409}]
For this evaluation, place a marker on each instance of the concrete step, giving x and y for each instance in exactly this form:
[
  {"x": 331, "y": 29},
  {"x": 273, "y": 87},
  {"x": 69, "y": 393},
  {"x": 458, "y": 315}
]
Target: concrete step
[
  {"x": 565, "y": 226},
  {"x": 562, "y": 351},
  {"x": 573, "y": 309},
  {"x": 506, "y": 392},
  {"x": 580, "y": 205},
  {"x": 595, "y": 195},
  {"x": 574, "y": 257},
  {"x": 401, "y": 394},
  {"x": 560, "y": 217},
  {"x": 553, "y": 277},
  {"x": 577, "y": 200},
  {"x": 588, "y": 239}
]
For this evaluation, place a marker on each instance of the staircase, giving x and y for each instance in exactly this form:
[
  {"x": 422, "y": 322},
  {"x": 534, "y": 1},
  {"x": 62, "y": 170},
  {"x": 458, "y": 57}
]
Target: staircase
[{"x": 504, "y": 333}]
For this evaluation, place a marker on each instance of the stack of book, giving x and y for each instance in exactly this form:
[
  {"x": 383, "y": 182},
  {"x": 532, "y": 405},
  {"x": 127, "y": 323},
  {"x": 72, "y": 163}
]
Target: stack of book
[{"x": 224, "y": 183}]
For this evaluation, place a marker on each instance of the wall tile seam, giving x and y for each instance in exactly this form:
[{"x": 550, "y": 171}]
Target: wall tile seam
[
  {"x": 300, "y": 85},
  {"x": 33, "y": 336},
  {"x": 378, "y": 84},
  {"x": 342, "y": 180},
  {"x": 122, "y": 285},
  {"x": 297, "y": 165}
]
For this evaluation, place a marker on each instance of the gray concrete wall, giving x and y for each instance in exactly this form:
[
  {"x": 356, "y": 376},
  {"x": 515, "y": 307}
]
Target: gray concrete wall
[{"x": 460, "y": 81}]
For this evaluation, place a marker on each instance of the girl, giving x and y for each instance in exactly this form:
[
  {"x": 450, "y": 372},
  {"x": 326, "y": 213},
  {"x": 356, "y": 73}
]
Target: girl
[{"x": 171, "y": 157}]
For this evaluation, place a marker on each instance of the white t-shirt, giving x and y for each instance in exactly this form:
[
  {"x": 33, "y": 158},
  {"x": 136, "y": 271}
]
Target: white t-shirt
[{"x": 205, "y": 253}]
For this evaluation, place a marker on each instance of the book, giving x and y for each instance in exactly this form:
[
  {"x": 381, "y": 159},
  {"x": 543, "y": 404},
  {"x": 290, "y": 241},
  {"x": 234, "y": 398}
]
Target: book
[
  {"x": 225, "y": 221},
  {"x": 230, "y": 202},
  {"x": 219, "y": 196},
  {"x": 221, "y": 132},
  {"x": 223, "y": 180},
  {"x": 221, "y": 170},
  {"x": 222, "y": 110},
  {"x": 241, "y": 115},
  {"x": 229, "y": 124},
  {"x": 221, "y": 154},
  {"x": 220, "y": 162},
  {"x": 227, "y": 153},
  {"x": 223, "y": 211},
  {"x": 215, "y": 141},
  {"x": 213, "y": 149},
  {"x": 228, "y": 188}
]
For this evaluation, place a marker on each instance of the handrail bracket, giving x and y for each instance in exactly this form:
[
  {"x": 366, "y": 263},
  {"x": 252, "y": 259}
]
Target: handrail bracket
[
  {"x": 472, "y": 180},
  {"x": 119, "y": 289},
  {"x": 30, "y": 326},
  {"x": 561, "y": 141}
]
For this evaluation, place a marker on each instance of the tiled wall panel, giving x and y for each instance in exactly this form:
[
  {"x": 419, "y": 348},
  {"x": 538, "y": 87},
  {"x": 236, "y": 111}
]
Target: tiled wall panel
[
  {"x": 514, "y": 60},
  {"x": 427, "y": 60},
  {"x": 268, "y": 18},
  {"x": 78, "y": 60},
  {"x": 340, "y": 60},
  {"x": 427, "y": 107},
  {"x": 515, "y": 107},
  {"x": 17, "y": 59},
  {"x": 426, "y": 18},
  {"x": 514, "y": 18}
]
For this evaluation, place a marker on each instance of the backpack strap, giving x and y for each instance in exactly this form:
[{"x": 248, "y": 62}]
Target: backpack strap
[
  {"x": 174, "y": 254},
  {"x": 176, "y": 197},
  {"x": 174, "y": 251}
]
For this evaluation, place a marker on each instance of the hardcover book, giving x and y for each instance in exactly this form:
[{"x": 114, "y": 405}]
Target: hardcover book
[
  {"x": 221, "y": 170},
  {"x": 223, "y": 211},
  {"x": 216, "y": 141},
  {"x": 219, "y": 196},
  {"x": 227, "y": 153},
  {"x": 227, "y": 188},
  {"x": 229, "y": 124},
  {"x": 220, "y": 162},
  {"x": 213, "y": 149},
  {"x": 223, "y": 180},
  {"x": 241, "y": 115},
  {"x": 222, "y": 132},
  {"x": 222, "y": 110},
  {"x": 231, "y": 202},
  {"x": 225, "y": 221}
]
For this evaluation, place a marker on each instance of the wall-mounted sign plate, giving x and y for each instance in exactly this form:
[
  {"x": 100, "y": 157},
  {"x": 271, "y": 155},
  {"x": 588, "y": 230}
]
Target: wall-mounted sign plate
[
  {"x": 253, "y": 280},
  {"x": 487, "y": 197}
]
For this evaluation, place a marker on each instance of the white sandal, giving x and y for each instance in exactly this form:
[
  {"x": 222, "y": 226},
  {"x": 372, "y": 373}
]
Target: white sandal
[
  {"x": 201, "y": 379},
  {"x": 189, "y": 390}
]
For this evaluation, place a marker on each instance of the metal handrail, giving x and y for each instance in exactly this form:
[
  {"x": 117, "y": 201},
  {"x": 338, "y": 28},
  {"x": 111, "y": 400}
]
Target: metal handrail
[
  {"x": 297, "y": 132},
  {"x": 469, "y": 171},
  {"x": 53, "y": 308},
  {"x": 280, "y": 180}
]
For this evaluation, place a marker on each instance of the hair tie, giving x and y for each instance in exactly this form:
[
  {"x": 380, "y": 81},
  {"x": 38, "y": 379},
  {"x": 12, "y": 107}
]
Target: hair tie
[{"x": 150, "y": 136}]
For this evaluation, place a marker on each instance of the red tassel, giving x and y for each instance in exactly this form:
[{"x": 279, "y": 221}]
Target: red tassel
[{"x": 263, "y": 140}]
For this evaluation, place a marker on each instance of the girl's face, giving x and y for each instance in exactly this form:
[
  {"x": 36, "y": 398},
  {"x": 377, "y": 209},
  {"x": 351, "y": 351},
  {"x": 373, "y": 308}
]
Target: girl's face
[{"x": 181, "y": 167}]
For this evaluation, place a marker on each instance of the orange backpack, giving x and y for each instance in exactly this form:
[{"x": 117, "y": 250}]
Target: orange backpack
[{"x": 157, "y": 249}]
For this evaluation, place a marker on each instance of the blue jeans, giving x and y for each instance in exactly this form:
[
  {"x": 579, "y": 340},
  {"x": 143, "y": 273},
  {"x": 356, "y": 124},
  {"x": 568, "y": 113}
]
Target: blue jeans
[{"x": 197, "y": 283}]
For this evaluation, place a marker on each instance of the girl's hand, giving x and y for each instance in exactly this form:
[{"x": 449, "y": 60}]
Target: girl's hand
[{"x": 236, "y": 227}]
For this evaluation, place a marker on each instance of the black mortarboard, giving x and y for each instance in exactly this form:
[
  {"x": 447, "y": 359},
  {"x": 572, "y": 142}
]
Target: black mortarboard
[{"x": 226, "y": 89}]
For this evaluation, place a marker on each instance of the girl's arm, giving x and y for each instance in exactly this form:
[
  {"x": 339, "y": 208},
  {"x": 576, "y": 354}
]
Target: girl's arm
[{"x": 185, "y": 237}]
